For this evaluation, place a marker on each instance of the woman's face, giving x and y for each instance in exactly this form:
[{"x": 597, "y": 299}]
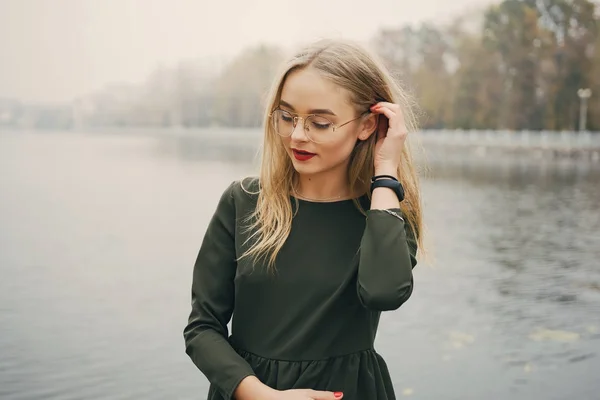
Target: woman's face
[{"x": 306, "y": 92}]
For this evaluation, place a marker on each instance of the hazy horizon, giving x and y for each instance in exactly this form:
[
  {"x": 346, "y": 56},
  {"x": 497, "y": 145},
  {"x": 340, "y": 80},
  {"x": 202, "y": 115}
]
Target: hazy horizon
[{"x": 54, "y": 51}]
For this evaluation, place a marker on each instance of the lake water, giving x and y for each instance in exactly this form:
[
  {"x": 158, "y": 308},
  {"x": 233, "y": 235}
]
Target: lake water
[{"x": 99, "y": 232}]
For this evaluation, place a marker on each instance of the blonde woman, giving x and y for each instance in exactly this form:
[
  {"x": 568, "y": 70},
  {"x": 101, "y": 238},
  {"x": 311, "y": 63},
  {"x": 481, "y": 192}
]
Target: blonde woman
[{"x": 306, "y": 256}]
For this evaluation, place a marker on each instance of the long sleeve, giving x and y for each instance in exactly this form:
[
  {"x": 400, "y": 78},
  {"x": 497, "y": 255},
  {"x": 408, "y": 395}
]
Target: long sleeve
[
  {"x": 387, "y": 257},
  {"x": 212, "y": 303}
]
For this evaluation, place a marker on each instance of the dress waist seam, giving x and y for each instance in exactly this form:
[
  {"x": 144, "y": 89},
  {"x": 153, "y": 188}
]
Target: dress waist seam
[{"x": 367, "y": 350}]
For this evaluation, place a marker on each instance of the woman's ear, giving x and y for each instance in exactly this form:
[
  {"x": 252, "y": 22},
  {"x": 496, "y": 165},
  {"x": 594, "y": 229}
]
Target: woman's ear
[{"x": 368, "y": 126}]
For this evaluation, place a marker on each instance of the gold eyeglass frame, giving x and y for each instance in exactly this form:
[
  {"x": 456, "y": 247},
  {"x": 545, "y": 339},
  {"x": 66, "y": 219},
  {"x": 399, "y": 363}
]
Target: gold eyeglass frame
[{"x": 296, "y": 117}]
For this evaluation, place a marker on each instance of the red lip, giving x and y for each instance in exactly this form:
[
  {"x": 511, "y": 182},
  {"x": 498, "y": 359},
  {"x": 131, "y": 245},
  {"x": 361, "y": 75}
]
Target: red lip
[{"x": 302, "y": 155}]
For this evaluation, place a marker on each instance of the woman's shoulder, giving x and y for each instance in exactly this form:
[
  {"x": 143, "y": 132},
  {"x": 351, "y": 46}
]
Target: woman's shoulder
[
  {"x": 244, "y": 191},
  {"x": 248, "y": 186},
  {"x": 240, "y": 196}
]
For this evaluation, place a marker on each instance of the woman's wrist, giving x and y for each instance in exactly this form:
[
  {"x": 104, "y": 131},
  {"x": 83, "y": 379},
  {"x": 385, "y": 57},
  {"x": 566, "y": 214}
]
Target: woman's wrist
[
  {"x": 251, "y": 388},
  {"x": 382, "y": 197},
  {"x": 387, "y": 169}
]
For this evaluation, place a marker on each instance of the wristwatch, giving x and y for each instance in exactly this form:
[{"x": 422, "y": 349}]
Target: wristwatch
[{"x": 388, "y": 181}]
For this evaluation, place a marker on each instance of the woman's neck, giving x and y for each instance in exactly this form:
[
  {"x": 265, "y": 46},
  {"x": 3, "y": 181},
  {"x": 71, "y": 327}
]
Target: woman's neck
[{"x": 325, "y": 186}]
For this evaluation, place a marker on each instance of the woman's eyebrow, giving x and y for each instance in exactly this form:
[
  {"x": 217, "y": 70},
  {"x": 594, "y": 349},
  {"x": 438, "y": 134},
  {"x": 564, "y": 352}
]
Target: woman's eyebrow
[{"x": 313, "y": 111}]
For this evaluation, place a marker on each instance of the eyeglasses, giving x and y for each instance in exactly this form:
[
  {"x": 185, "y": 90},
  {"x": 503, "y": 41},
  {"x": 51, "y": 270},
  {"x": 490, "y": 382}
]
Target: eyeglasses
[{"x": 318, "y": 128}]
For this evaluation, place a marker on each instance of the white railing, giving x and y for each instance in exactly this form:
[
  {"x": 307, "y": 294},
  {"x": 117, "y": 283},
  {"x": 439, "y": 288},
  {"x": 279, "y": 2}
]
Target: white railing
[{"x": 565, "y": 140}]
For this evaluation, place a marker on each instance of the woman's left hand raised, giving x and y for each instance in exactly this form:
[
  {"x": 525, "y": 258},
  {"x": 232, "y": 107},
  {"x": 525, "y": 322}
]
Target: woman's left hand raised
[{"x": 391, "y": 135}]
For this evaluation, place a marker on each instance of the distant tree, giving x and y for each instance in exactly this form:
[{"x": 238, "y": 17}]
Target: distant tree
[
  {"x": 432, "y": 81},
  {"x": 398, "y": 49},
  {"x": 241, "y": 88},
  {"x": 478, "y": 85},
  {"x": 515, "y": 65},
  {"x": 574, "y": 28},
  {"x": 511, "y": 30},
  {"x": 417, "y": 59},
  {"x": 594, "y": 103}
]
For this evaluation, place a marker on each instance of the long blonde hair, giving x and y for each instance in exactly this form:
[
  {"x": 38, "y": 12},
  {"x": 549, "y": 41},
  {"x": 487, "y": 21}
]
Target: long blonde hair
[{"x": 352, "y": 67}]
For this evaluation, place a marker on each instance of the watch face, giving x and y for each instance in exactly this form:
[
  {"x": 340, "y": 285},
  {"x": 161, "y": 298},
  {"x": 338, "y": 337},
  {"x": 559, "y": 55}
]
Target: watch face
[{"x": 399, "y": 191}]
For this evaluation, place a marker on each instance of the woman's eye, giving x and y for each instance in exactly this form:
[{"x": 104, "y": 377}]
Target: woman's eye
[
  {"x": 318, "y": 125},
  {"x": 319, "y": 122}
]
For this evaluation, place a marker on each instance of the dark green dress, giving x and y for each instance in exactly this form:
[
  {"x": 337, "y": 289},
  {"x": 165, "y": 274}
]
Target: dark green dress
[{"x": 311, "y": 324}]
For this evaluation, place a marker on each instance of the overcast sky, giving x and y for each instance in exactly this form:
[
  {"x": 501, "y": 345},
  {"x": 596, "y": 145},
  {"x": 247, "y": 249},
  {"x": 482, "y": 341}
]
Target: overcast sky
[{"x": 54, "y": 50}]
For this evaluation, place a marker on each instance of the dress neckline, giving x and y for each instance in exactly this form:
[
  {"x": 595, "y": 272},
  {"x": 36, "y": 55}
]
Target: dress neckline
[{"x": 361, "y": 199}]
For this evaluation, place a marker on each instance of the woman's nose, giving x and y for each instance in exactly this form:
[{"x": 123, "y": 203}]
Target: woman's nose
[{"x": 299, "y": 133}]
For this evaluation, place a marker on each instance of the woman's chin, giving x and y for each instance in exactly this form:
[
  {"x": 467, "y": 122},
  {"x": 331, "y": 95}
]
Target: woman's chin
[{"x": 304, "y": 167}]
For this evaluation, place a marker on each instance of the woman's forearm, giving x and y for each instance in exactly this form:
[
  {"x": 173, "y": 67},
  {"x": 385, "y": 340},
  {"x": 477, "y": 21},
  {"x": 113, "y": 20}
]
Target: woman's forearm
[{"x": 251, "y": 388}]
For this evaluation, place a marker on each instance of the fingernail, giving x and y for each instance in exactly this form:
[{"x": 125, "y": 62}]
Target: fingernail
[{"x": 337, "y": 394}]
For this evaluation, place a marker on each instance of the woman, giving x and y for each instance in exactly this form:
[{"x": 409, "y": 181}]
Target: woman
[{"x": 308, "y": 255}]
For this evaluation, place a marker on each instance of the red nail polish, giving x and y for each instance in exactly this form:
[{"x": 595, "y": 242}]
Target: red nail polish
[{"x": 337, "y": 394}]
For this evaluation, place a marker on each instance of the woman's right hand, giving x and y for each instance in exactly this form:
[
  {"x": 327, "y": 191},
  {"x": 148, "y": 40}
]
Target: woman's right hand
[
  {"x": 307, "y": 394},
  {"x": 252, "y": 388}
]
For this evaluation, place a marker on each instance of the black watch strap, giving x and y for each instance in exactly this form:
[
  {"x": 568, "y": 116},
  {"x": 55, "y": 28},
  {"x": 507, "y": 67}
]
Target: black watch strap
[
  {"x": 373, "y": 179},
  {"x": 391, "y": 183}
]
